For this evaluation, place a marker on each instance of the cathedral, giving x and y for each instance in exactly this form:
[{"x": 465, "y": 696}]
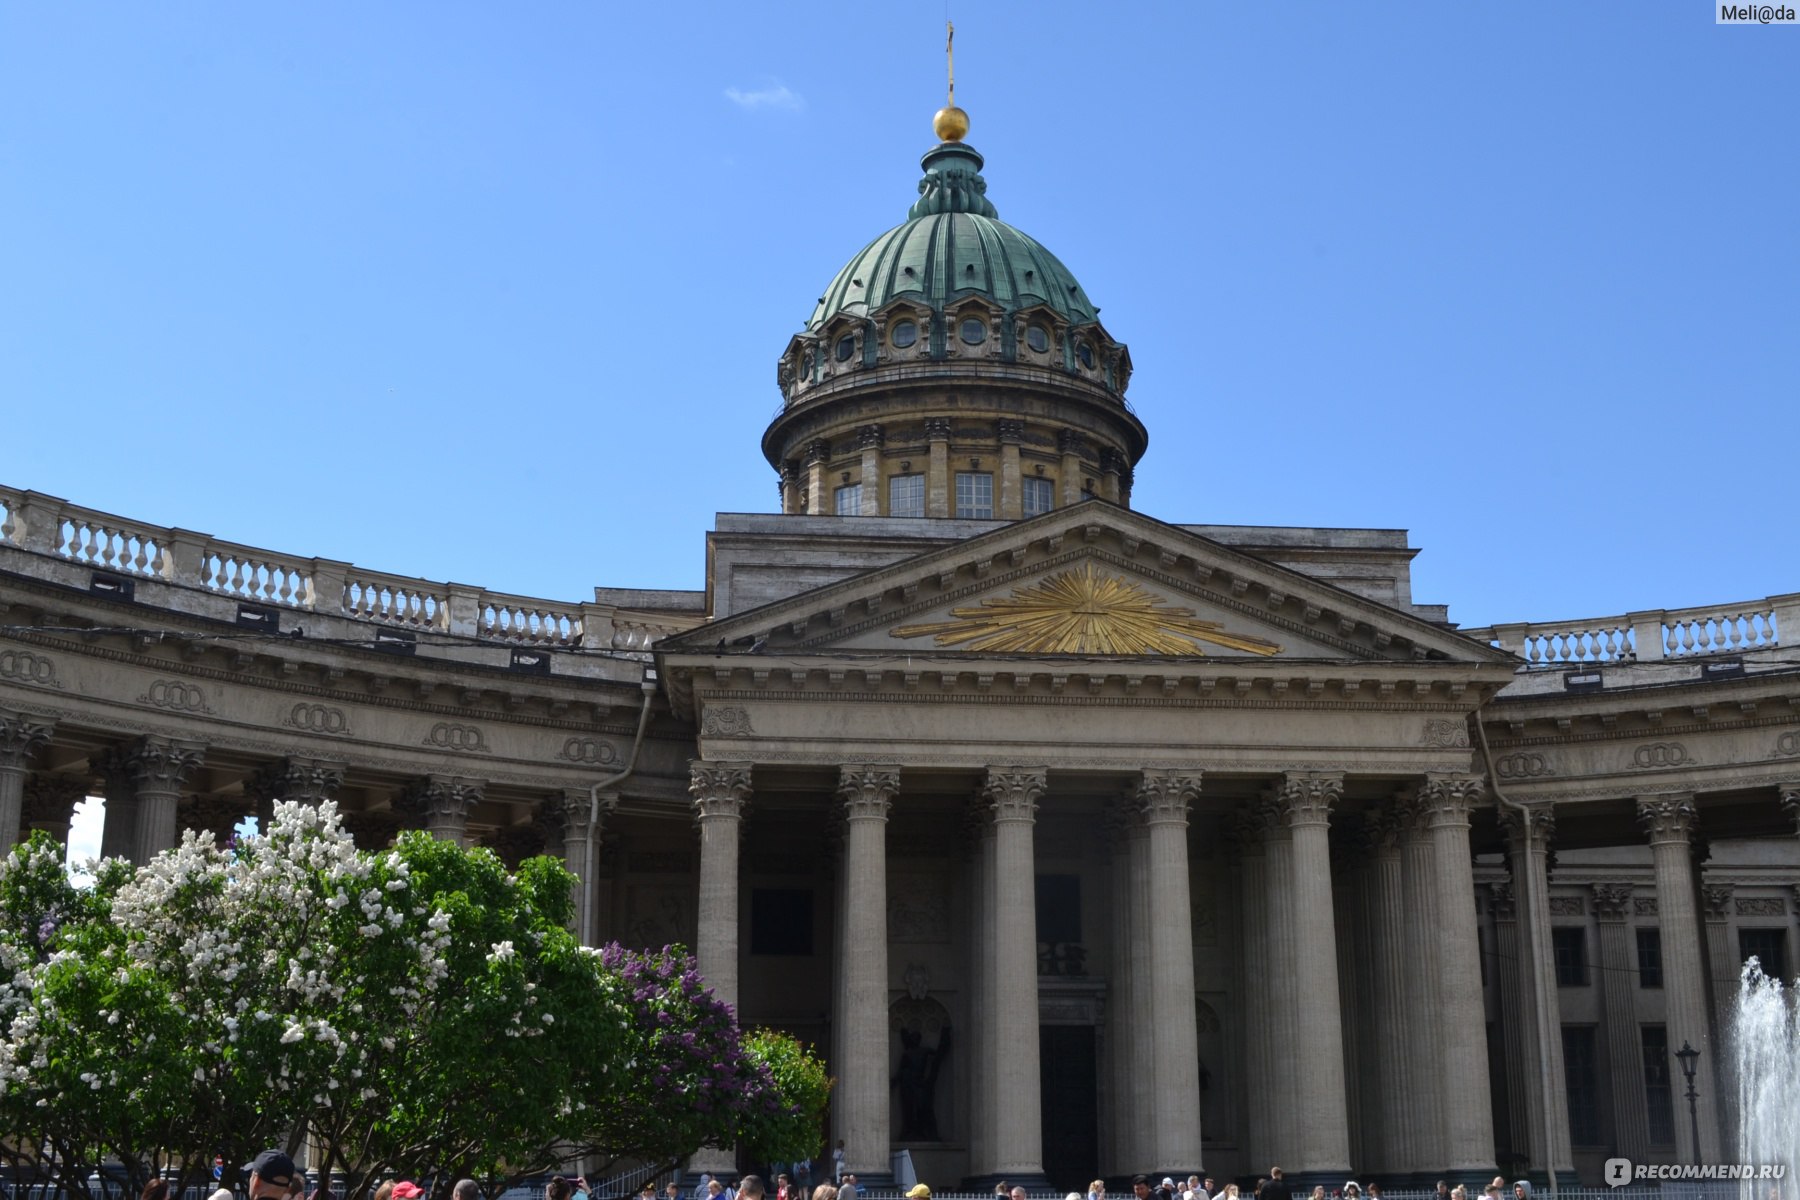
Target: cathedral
[{"x": 1079, "y": 841}]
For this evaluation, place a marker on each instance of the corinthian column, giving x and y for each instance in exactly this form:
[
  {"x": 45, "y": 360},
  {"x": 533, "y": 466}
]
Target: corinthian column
[
  {"x": 442, "y": 804},
  {"x": 1251, "y": 829},
  {"x": 868, "y": 792},
  {"x": 1468, "y": 1105},
  {"x": 20, "y": 736},
  {"x": 1393, "y": 1132},
  {"x": 301, "y": 780},
  {"x": 1124, "y": 818},
  {"x": 1423, "y": 1053},
  {"x": 571, "y": 821},
  {"x": 1546, "y": 1084},
  {"x": 1166, "y": 797},
  {"x": 1624, "y": 1050},
  {"x": 720, "y": 791},
  {"x": 1322, "y": 1127},
  {"x": 1669, "y": 821},
  {"x": 1018, "y": 1144},
  {"x": 158, "y": 769}
]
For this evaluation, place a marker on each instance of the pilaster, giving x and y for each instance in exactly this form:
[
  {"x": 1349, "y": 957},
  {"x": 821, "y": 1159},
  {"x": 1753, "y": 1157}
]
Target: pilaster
[
  {"x": 1669, "y": 821},
  {"x": 937, "y": 470},
  {"x": 870, "y": 438},
  {"x": 868, "y": 792},
  {"x": 1070, "y": 445},
  {"x": 1013, "y": 792},
  {"x": 20, "y": 737},
  {"x": 1723, "y": 971},
  {"x": 1011, "y": 500}
]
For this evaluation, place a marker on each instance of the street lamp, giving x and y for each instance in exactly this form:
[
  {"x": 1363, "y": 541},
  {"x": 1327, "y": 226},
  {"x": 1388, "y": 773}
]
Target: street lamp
[{"x": 1688, "y": 1056}]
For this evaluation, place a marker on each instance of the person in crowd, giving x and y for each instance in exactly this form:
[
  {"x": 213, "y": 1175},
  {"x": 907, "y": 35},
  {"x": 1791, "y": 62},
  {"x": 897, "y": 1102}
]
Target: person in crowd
[
  {"x": 848, "y": 1189},
  {"x": 1318, "y": 1192},
  {"x": 466, "y": 1189},
  {"x": 1231, "y": 1191},
  {"x": 1459, "y": 1192},
  {"x": 1166, "y": 1189},
  {"x": 1140, "y": 1187},
  {"x": 271, "y": 1176},
  {"x": 751, "y": 1187},
  {"x": 1097, "y": 1190},
  {"x": 1373, "y": 1191},
  {"x": 825, "y": 1191},
  {"x": 1522, "y": 1189},
  {"x": 156, "y": 1189},
  {"x": 918, "y": 1191},
  {"x": 1276, "y": 1188},
  {"x": 385, "y": 1191},
  {"x": 406, "y": 1189},
  {"x": 837, "y": 1163},
  {"x": 784, "y": 1187},
  {"x": 1352, "y": 1190},
  {"x": 1443, "y": 1190}
]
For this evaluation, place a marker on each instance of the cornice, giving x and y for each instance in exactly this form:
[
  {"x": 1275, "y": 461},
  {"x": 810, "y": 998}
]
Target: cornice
[{"x": 1086, "y": 700}]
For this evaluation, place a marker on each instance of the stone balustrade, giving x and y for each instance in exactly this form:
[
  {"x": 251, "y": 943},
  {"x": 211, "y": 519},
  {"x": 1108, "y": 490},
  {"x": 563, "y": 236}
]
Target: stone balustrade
[
  {"x": 114, "y": 545},
  {"x": 1651, "y": 635}
]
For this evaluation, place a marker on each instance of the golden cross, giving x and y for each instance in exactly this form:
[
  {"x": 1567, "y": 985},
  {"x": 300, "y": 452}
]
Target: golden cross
[{"x": 950, "y": 59}]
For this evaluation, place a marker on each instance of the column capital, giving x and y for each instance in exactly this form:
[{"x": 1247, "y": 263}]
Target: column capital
[
  {"x": 569, "y": 812},
  {"x": 1790, "y": 802},
  {"x": 1668, "y": 819},
  {"x": 308, "y": 780},
  {"x": 1534, "y": 829},
  {"x": 870, "y": 437},
  {"x": 50, "y": 801},
  {"x": 817, "y": 451},
  {"x": 1013, "y": 792},
  {"x": 1306, "y": 799},
  {"x": 20, "y": 736},
  {"x": 1012, "y": 431},
  {"x": 162, "y": 764},
  {"x": 937, "y": 429},
  {"x": 719, "y": 789},
  {"x": 1502, "y": 902},
  {"x": 1715, "y": 901},
  {"x": 868, "y": 790},
  {"x": 1612, "y": 901},
  {"x": 441, "y": 801},
  {"x": 1165, "y": 797},
  {"x": 1449, "y": 799}
]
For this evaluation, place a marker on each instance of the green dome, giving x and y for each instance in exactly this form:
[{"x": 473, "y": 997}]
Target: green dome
[{"x": 952, "y": 245}]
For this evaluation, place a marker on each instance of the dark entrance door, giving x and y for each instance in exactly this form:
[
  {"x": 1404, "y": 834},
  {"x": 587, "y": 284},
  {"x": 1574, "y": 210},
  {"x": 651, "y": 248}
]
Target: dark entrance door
[{"x": 1071, "y": 1106}]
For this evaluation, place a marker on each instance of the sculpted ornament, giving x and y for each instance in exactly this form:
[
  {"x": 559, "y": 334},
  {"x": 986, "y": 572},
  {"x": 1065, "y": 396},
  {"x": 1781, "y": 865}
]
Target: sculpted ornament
[
  {"x": 1082, "y": 611},
  {"x": 1612, "y": 901},
  {"x": 1307, "y": 799},
  {"x": 175, "y": 695},
  {"x": 160, "y": 765},
  {"x": 1013, "y": 792},
  {"x": 1448, "y": 799},
  {"x": 1448, "y": 734},
  {"x": 1541, "y": 831},
  {"x": 728, "y": 720},
  {"x": 719, "y": 789},
  {"x": 20, "y": 737},
  {"x": 868, "y": 791},
  {"x": 1167, "y": 796},
  {"x": 1715, "y": 900},
  {"x": 441, "y": 801},
  {"x": 27, "y": 667},
  {"x": 1667, "y": 818}
]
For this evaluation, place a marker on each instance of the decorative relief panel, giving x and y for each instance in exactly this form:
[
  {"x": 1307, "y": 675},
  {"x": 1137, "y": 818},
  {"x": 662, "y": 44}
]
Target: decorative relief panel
[
  {"x": 918, "y": 906},
  {"x": 1787, "y": 743},
  {"x": 657, "y": 915},
  {"x": 1447, "y": 734},
  {"x": 1567, "y": 906},
  {"x": 318, "y": 718},
  {"x": 448, "y": 735},
  {"x": 1644, "y": 906},
  {"x": 1523, "y": 765},
  {"x": 1652, "y": 755},
  {"x": 27, "y": 667},
  {"x": 175, "y": 695},
  {"x": 588, "y": 750},
  {"x": 1762, "y": 906},
  {"x": 725, "y": 721}
]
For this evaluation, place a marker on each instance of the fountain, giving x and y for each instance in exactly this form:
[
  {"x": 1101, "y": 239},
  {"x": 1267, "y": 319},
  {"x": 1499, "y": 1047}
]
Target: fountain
[{"x": 1766, "y": 1035}]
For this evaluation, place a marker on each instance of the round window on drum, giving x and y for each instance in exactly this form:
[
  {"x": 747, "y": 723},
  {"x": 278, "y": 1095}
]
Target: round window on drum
[
  {"x": 1038, "y": 338},
  {"x": 973, "y": 331},
  {"x": 905, "y": 334},
  {"x": 846, "y": 346}
]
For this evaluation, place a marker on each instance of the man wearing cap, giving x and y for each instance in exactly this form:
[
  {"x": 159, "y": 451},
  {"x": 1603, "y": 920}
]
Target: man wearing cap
[
  {"x": 918, "y": 1191},
  {"x": 272, "y": 1176}
]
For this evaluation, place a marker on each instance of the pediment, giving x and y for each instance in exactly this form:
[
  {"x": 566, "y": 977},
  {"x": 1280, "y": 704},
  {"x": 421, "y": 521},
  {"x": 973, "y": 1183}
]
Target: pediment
[{"x": 1093, "y": 580}]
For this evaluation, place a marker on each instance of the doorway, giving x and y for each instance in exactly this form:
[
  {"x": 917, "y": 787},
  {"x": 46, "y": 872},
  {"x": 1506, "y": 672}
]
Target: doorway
[{"x": 1069, "y": 1078}]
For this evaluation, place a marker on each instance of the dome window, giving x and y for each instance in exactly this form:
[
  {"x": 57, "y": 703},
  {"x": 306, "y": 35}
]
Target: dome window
[
  {"x": 973, "y": 331},
  {"x": 1085, "y": 353},
  {"x": 846, "y": 346},
  {"x": 1038, "y": 338},
  {"x": 905, "y": 334}
]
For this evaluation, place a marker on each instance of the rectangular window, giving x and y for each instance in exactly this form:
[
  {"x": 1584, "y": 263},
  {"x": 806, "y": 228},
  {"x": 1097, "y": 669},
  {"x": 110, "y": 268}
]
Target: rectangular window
[
  {"x": 1059, "y": 908},
  {"x": 1570, "y": 947},
  {"x": 781, "y": 921},
  {"x": 975, "y": 495},
  {"x": 1659, "y": 1096},
  {"x": 1040, "y": 496},
  {"x": 1649, "y": 958},
  {"x": 849, "y": 500},
  {"x": 906, "y": 495},
  {"x": 1767, "y": 946},
  {"x": 1584, "y": 1090}
]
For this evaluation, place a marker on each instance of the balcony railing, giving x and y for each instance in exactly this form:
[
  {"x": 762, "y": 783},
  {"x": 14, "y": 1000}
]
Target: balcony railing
[
  {"x": 1655, "y": 634},
  {"x": 115, "y": 545}
]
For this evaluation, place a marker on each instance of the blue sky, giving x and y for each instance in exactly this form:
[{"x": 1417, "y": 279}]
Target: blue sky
[{"x": 494, "y": 293}]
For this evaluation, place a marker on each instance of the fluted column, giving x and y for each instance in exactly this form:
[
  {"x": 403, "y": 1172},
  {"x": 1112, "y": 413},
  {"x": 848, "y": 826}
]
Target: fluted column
[
  {"x": 1393, "y": 1143},
  {"x": 1512, "y": 991},
  {"x": 1423, "y": 1050},
  {"x": 1250, "y": 829},
  {"x": 1669, "y": 822},
  {"x": 720, "y": 791},
  {"x": 978, "y": 833},
  {"x": 1462, "y": 1016},
  {"x": 1285, "y": 979},
  {"x": 572, "y": 820},
  {"x": 158, "y": 768},
  {"x": 1322, "y": 1138},
  {"x": 20, "y": 737},
  {"x": 301, "y": 780},
  {"x": 1618, "y": 995},
  {"x": 1142, "y": 1014},
  {"x": 1174, "y": 1114},
  {"x": 868, "y": 791},
  {"x": 441, "y": 804},
  {"x": 1546, "y": 1082},
  {"x": 1018, "y": 1126},
  {"x": 1724, "y": 967}
]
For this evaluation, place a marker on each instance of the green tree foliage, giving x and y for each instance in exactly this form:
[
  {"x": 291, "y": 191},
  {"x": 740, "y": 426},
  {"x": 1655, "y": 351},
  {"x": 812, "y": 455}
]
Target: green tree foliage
[
  {"x": 793, "y": 1129},
  {"x": 418, "y": 1009}
]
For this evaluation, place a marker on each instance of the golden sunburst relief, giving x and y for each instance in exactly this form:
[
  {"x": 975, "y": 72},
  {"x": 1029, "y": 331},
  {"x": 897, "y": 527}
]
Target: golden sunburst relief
[{"x": 1082, "y": 611}]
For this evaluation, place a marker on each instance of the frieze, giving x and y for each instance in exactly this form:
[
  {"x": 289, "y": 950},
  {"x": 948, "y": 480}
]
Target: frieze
[
  {"x": 1657, "y": 755},
  {"x": 1523, "y": 765},
  {"x": 588, "y": 750},
  {"x": 177, "y": 696},
  {"x": 1644, "y": 906},
  {"x": 1761, "y": 906},
  {"x": 319, "y": 718},
  {"x": 726, "y": 721},
  {"x": 1232, "y": 701},
  {"x": 27, "y": 667},
  {"x": 449, "y": 735},
  {"x": 1787, "y": 743},
  {"x": 1568, "y": 906},
  {"x": 1446, "y": 734}
]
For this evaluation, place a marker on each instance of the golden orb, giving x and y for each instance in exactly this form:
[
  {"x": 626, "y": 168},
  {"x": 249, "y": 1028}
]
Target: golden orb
[{"x": 950, "y": 124}]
